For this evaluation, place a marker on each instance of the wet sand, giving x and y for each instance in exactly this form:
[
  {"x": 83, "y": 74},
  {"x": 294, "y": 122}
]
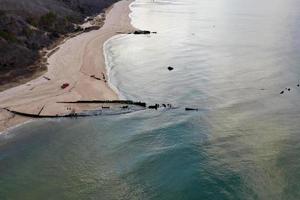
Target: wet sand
[{"x": 79, "y": 63}]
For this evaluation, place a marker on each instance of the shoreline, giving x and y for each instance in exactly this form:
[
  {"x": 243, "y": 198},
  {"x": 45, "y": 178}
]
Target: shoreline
[
  {"x": 108, "y": 69},
  {"x": 79, "y": 62}
]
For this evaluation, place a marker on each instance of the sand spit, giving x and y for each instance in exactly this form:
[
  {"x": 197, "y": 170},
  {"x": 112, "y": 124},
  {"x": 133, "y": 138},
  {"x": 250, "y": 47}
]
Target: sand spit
[{"x": 76, "y": 71}]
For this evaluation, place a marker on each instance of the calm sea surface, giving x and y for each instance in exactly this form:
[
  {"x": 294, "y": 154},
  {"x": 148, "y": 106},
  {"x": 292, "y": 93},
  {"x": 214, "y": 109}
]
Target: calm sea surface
[{"x": 231, "y": 60}]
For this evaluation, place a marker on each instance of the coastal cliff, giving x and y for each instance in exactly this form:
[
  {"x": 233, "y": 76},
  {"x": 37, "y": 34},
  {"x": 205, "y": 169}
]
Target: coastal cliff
[{"x": 27, "y": 26}]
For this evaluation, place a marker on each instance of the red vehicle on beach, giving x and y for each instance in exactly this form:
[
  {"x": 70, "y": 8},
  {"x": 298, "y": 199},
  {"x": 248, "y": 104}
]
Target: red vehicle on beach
[{"x": 65, "y": 85}]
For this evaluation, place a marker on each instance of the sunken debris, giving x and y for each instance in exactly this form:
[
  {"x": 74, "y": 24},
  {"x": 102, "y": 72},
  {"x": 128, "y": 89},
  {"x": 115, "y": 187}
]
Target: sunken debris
[
  {"x": 191, "y": 109},
  {"x": 156, "y": 106},
  {"x": 140, "y": 32},
  {"x": 143, "y": 32},
  {"x": 127, "y": 102}
]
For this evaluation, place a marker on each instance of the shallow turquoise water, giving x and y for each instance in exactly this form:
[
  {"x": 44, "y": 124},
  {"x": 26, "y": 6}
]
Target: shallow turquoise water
[{"x": 231, "y": 58}]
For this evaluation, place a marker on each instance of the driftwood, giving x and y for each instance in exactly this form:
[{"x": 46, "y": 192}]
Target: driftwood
[
  {"x": 91, "y": 28},
  {"x": 47, "y": 78},
  {"x": 93, "y": 76},
  {"x": 125, "y": 103}
]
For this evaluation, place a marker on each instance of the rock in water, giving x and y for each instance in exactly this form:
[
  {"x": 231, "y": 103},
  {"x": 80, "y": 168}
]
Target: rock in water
[{"x": 170, "y": 68}]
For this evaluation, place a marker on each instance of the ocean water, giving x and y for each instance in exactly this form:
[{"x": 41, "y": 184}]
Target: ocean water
[{"x": 231, "y": 60}]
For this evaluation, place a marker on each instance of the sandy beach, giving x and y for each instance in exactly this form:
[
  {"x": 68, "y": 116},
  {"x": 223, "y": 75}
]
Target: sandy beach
[{"x": 79, "y": 63}]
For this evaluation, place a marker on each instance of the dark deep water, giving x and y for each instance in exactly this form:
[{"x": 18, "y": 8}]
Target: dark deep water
[{"x": 231, "y": 58}]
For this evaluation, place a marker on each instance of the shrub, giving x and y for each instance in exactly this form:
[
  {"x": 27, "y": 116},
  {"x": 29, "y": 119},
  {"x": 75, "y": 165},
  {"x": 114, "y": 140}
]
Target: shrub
[
  {"x": 2, "y": 12},
  {"x": 48, "y": 19},
  {"x": 32, "y": 21},
  {"x": 10, "y": 37}
]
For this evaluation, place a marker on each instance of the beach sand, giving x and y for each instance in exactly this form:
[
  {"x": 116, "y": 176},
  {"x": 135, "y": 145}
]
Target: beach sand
[{"x": 80, "y": 62}]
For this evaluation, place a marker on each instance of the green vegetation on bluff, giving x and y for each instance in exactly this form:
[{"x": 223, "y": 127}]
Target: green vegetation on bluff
[{"x": 10, "y": 37}]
